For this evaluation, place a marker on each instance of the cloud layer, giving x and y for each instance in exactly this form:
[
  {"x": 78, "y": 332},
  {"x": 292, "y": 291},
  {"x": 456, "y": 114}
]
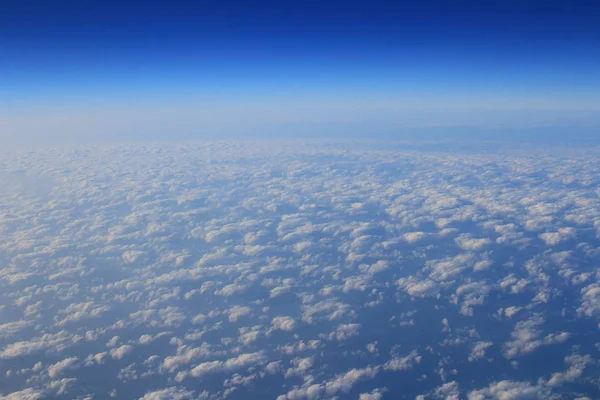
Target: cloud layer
[{"x": 299, "y": 271}]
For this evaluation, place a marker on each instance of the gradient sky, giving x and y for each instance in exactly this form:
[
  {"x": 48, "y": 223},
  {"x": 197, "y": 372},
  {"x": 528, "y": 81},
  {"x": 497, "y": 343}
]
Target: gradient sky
[{"x": 199, "y": 69}]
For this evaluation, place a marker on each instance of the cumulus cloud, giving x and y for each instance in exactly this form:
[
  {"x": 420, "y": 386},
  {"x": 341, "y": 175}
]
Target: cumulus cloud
[
  {"x": 241, "y": 361},
  {"x": 171, "y": 393},
  {"x": 403, "y": 363},
  {"x": 478, "y": 350},
  {"x": 341, "y": 383},
  {"x": 300, "y": 366},
  {"x": 49, "y": 341},
  {"x": 509, "y": 312},
  {"x": 413, "y": 237},
  {"x": 509, "y": 390},
  {"x": 417, "y": 288},
  {"x": 25, "y": 394},
  {"x": 235, "y": 313},
  {"x": 527, "y": 337},
  {"x": 376, "y": 394},
  {"x": 283, "y": 323},
  {"x": 11, "y": 328},
  {"x": 344, "y": 332},
  {"x": 576, "y": 366},
  {"x": 448, "y": 391},
  {"x": 554, "y": 238},
  {"x": 120, "y": 352},
  {"x": 57, "y": 369},
  {"x": 590, "y": 301},
  {"x": 472, "y": 244}
]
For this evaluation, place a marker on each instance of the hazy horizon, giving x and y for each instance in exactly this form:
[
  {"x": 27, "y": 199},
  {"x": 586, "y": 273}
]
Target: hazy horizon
[{"x": 86, "y": 71}]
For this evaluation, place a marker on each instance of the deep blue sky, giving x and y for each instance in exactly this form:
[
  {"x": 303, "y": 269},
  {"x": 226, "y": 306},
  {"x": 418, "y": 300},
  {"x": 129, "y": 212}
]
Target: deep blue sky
[{"x": 370, "y": 56}]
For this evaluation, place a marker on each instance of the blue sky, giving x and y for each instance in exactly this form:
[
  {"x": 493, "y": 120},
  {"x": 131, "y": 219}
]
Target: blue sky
[{"x": 375, "y": 61}]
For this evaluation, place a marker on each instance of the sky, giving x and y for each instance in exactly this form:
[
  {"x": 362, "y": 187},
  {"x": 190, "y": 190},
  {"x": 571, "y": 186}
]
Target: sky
[{"x": 118, "y": 69}]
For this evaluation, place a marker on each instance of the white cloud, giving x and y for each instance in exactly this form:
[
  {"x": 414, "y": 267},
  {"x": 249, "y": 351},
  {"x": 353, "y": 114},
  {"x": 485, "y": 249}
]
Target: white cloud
[
  {"x": 376, "y": 394},
  {"x": 478, "y": 350},
  {"x": 527, "y": 337},
  {"x": 472, "y": 244},
  {"x": 12, "y": 328},
  {"x": 509, "y": 312},
  {"x": 590, "y": 301},
  {"x": 241, "y": 361},
  {"x": 576, "y": 366},
  {"x": 554, "y": 238},
  {"x": 413, "y": 237},
  {"x": 341, "y": 383},
  {"x": 57, "y": 369},
  {"x": 237, "y": 312},
  {"x": 25, "y": 394},
  {"x": 403, "y": 363},
  {"x": 509, "y": 390},
  {"x": 112, "y": 342},
  {"x": 344, "y": 331},
  {"x": 301, "y": 366},
  {"x": 120, "y": 352},
  {"x": 55, "y": 342},
  {"x": 284, "y": 323},
  {"x": 171, "y": 393}
]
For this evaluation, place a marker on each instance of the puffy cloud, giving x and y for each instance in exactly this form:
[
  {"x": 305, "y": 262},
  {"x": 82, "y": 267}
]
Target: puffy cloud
[
  {"x": 509, "y": 312},
  {"x": 249, "y": 337},
  {"x": 417, "y": 288},
  {"x": 230, "y": 290},
  {"x": 57, "y": 369},
  {"x": 478, "y": 350},
  {"x": 241, "y": 361},
  {"x": 301, "y": 346},
  {"x": 413, "y": 237},
  {"x": 112, "y": 342},
  {"x": 273, "y": 367},
  {"x": 472, "y": 244},
  {"x": 341, "y": 383},
  {"x": 25, "y": 394},
  {"x": 331, "y": 309},
  {"x": 284, "y": 323},
  {"x": 55, "y": 342},
  {"x": 171, "y": 393},
  {"x": 469, "y": 295},
  {"x": 345, "y": 381},
  {"x": 509, "y": 390},
  {"x": 372, "y": 347},
  {"x": 356, "y": 283},
  {"x": 61, "y": 386},
  {"x": 448, "y": 391},
  {"x": 527, "y": 337},
  {"x": 554, "y": 238},
  {"x": 376, "y": 394},
  {"x": 403, "y": 363},
  {"x": 120, "y": 352},
  {"x": 590, "y": 301},
  {"x": 236, "y": 312},
  {"x": 576, "y": 365},
  {"x": 79, "y": 311},
  {"x": 344, "y": 332},
  {"x": 301, "y": 366},
  {"x": 12, "y": 328},
  {"x": 186, "y": 355},
  {"x": 132, "y": 256}
]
